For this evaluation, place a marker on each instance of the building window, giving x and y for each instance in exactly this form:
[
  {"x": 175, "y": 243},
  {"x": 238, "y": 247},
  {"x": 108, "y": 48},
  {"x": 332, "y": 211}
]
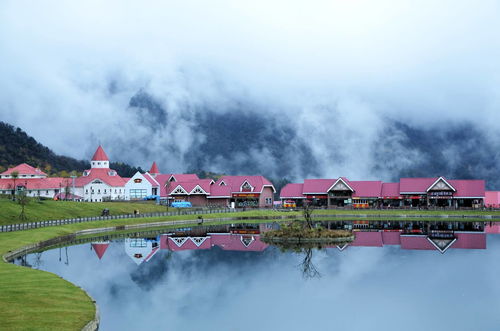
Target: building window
[
  {"x": 47, "y": 192},
  {"x": 115, "y": 191},
  {"x": 104, "y": 191},
  {"x": 269, "y": 201},
  {"x": 87, "y": 191},
  {"x": 138, "y": 193}
]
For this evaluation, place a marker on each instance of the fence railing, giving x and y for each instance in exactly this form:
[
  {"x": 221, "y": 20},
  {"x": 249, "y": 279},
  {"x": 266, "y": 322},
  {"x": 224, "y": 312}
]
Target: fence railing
[{"x": 42, "y": 224}]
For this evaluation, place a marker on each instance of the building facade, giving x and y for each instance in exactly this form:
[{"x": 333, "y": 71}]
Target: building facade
[{"x": 408, "y": 192}]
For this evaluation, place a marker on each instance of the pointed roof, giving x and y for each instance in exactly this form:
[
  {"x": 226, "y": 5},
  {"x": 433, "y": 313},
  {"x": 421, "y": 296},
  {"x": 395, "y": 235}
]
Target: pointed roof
[
  {"x": 100, "y": 248},
  {"x": 100, "y": 155},
  {"x": 154, "y": 169}
]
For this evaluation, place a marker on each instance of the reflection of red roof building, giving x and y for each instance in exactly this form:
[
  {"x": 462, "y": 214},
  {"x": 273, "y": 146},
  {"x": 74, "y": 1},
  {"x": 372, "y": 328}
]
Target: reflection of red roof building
[
  {"x": 226, "y": 241},
  {"x": 100, "y": 248},
  {"x": 463, "y": 240},
  {"x": 492, "y": 199}
]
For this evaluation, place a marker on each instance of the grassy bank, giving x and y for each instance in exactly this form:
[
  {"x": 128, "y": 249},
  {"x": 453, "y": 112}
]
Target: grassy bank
[
  {"x": 37, "y": 300},
  {"x": 50, "y": 209}
]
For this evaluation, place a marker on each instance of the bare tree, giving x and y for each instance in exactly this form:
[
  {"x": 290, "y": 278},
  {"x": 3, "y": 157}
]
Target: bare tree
[
  {"x": 23, "y": 200},
  {"x": 15, "y": 176},
  {"x": 307, "y": 211},
  {"x": 308, "y": 268}
]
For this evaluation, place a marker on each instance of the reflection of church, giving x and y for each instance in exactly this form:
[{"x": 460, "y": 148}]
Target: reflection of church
[{"x": 141, "y": 249}]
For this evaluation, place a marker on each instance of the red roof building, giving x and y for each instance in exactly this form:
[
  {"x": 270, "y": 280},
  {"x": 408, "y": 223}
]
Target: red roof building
[
  {"x": 415, "y": 192},
  {"x": 23, "y": 170}
]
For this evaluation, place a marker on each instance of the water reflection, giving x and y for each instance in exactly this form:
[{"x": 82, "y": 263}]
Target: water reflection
[{"x": 393, "y": 276}]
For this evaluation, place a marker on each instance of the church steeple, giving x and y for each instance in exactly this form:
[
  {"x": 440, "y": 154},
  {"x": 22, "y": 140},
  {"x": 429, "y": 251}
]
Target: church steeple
[
  {"x": 100, "y": 159},
  {"x": 154, "y": 170}
]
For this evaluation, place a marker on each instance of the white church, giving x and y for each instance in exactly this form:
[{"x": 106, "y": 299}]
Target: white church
[{"x": 100, "y": 183}]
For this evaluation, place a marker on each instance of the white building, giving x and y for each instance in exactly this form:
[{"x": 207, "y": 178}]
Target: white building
[
  {"x": 140, "y": 186},
  {"x": 100, "y": 183}
]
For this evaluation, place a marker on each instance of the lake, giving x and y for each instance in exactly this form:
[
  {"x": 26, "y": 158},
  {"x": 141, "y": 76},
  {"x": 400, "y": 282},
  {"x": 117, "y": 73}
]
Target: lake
[{"x": 394, "y": 276}]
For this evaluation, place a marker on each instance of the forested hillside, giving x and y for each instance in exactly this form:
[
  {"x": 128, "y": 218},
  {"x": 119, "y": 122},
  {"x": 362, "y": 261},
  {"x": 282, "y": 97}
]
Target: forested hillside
[{"x": 16, "y": 147}]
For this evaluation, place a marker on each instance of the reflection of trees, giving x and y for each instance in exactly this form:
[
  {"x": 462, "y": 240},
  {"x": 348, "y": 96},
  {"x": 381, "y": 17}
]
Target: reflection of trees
[
  {"x": 38, "y": 260},
  {"x": 307, "y": 266}
]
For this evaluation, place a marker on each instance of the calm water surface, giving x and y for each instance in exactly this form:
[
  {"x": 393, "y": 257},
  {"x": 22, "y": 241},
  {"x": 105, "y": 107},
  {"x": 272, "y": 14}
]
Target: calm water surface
[{"x": 235, "y": 282}]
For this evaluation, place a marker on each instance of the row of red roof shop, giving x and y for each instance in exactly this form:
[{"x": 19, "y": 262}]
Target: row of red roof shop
[{"x": 406, "y": 188}]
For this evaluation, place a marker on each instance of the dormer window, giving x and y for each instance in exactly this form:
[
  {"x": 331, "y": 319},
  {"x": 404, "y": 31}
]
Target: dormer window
[
  {"x": 222, "y": 183},
  {"x": 246, "y": 187},
  {"x": 179, "y": 190},
  {"x": 198, "y": 190},
  {"x": 112, "y": 173}
]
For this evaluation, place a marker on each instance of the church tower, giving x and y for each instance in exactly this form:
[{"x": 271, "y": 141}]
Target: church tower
[{"x": 100, "y": 159}]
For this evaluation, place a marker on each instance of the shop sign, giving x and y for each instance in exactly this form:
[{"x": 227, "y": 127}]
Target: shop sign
[
  {"x": 441, "y": 193},
  {"x": 316, "y": 196},
  {"x": 392, "y": 198},
  {"x": 246, "y": 195}
]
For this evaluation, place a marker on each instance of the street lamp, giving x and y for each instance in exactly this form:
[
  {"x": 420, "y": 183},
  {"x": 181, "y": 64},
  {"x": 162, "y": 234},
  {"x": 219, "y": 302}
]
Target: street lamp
[{"x": 73, "y": 184}]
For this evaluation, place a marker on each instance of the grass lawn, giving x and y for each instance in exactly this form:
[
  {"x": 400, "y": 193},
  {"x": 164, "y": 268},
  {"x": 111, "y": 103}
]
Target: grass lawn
[{"x": 50, "y": 209}]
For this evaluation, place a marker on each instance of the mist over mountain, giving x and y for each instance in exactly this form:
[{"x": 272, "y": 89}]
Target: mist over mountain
[{"x": 244, "y": 140}]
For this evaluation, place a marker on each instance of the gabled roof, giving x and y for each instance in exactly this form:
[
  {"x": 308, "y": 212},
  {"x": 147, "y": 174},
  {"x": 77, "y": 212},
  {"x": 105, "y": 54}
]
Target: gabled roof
[
  {"x": 185, "y": 243},
  {"x": 415, "y": 185},
  {"x": 317, "y": 186},
  {"x": 371, "y": 239},
  {"x": 151, "y": 179},
  {"x": 24, "y": 169},
  {"x": 443, "y": 183},
  {"x": 366, "y": 189},
  {"x": 218, "y": 191},
  {"x": 36, "y": 183},
  {"x": 100, "y": 155},
  {"x": 468, "y": 188},
  {"x": 100, "y": 248},
  {"x": 154, "y": 169},
  {"x": 235, "y": 182},
  {"x": 238, "y": 242},
  {"x": 390, "y": 189},
  {"x": 103, "y": 175},
  {"x": 292, "y": 190},
  {"x": 189, "y": 186},
  {"x": 164, "y": 179},
  {"x": 344, "y": 181}
]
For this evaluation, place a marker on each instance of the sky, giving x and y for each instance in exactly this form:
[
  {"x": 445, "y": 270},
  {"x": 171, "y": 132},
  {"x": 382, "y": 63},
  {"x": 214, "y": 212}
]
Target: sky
[{"x": 336, "y": 72}]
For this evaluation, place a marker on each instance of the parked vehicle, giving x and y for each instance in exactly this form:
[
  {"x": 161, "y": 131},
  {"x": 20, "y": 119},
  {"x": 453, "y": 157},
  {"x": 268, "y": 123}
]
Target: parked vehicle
[
  {"x": 151, "y": 197},
  {"x": 182, "y": 204}
]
